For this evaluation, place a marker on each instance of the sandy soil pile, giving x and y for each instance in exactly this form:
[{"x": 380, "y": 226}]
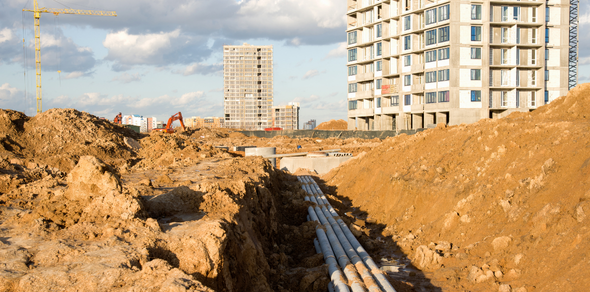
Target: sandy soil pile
[
  {"x": 112, "y": 210},
  {"x": 499, "y": 205},
  {"x": 58, "y": 137},
  {"x": 333, "y": 125}
]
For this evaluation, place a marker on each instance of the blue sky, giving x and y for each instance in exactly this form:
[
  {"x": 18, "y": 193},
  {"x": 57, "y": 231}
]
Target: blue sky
[{"x": 160, "y": 57}]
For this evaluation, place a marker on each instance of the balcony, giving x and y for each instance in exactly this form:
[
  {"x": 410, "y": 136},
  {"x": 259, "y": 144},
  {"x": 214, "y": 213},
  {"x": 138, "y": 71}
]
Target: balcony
[{"x": 361, "y": 112}]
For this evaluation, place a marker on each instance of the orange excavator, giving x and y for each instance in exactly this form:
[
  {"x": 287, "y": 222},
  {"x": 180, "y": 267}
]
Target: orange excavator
[
  {"x": 168, "y": 129},
  {"x": 118, "y": 119}
]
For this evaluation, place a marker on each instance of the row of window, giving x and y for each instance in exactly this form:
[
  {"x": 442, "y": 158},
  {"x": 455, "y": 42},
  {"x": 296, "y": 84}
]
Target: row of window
[
  {"x": 443, "y": 35},
  {"x": 443, "y": 75},
  {"x": 430, "y": 97},
  {"x": 443, "y": 13}
]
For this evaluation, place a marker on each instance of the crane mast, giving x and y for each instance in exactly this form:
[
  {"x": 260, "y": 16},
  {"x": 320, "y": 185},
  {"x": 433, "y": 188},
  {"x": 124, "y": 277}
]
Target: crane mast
[{"x": 37, "y": 16}]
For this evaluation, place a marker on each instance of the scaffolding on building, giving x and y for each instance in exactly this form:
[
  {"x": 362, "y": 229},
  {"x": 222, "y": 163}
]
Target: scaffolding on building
[{"x": 573, "y": 52}]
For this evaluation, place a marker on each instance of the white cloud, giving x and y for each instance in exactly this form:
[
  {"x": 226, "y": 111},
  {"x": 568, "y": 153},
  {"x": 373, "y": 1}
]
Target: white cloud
[
  {"x": 338, "y": 52},
  {"x": 15, "y": 99},
  {"x": 127, "y": 78},
  {"x": 74, "y": 75},
  {"x": 199, "y": 68},
  {"x": 310, "y": 74},
  {"x": 309, "y": 99},
  {"x": 138, "y": 49},
  {"x": 188, "y": 98},
  {"x": 6, "y": 35}
]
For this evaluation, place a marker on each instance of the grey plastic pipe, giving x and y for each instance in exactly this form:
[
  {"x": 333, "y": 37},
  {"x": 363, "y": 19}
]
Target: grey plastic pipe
[
  {"x": 367, "y": 260},
  {"x": 338, "y": 281}
]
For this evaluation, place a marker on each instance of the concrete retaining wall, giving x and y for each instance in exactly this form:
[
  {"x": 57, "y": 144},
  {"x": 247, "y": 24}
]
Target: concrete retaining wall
[{"x": 325, "y": 134}]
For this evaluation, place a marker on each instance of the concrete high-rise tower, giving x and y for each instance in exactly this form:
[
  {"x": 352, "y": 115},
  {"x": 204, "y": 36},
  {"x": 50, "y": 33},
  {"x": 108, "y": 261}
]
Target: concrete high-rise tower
[
  {"x": 415, "y": 63},
  {"x": 247, "y": 86}
]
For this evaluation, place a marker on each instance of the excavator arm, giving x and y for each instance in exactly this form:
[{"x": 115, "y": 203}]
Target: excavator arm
[{"x": 176, "y": 117}]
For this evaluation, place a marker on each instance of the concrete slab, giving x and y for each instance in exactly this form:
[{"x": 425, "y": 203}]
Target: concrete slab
[{"x": 321, "y": 165}]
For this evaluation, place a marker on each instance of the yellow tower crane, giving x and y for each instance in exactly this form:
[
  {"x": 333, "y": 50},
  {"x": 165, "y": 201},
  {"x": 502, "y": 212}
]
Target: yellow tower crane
[{"x": 37, "y": 14}]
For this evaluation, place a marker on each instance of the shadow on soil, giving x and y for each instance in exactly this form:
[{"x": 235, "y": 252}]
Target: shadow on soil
[{"x": 408, "y": 277}]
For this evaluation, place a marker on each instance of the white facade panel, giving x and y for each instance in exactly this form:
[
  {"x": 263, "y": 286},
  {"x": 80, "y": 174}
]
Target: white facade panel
[
  {"x": 466, "y": 57},
  {"x": 554, "y": 37},
  {"x": 465, "y": 79},
  {"x": 465, "y": 100},
  {"x": 553, "y": 78},
  {"x": 443, "y": 63},
  {"x": 553, "y": 57},
  {"x": 430, "y": 65},
  {"x": 431, "y": 85},
  {"x": 465, "y": 34},
  {"x": 352, "y": 78},
  {"x": 443, "y": 84},
  {"x": 352, "y": 95}
]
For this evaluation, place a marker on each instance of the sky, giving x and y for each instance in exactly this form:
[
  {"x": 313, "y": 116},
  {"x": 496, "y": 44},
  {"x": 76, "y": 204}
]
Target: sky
[{"x": 157, "y": 58}]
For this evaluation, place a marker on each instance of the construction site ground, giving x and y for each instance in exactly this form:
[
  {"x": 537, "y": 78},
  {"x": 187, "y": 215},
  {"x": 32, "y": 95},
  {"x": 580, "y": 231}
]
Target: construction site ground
[{"x": 498, "y": 205}]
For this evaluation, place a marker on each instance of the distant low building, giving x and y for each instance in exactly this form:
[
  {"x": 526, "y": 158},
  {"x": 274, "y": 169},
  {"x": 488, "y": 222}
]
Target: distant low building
[
  {"x": 309, "y": 125},
  {"x": 286, "y": 116},
  {"x": 208, "y": 122},
  {"x": 145, "y": 124}
]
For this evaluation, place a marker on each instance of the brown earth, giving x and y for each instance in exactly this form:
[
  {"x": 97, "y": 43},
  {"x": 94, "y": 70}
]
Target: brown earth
[
  {"x": 88, "y": 205},
  {"x": 499, "y": 205},
  {"x": 333, "y": 125}
]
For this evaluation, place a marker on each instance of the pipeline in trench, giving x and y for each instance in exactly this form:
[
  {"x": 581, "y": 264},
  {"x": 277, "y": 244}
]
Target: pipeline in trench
[{"x": 350, "y": 266}]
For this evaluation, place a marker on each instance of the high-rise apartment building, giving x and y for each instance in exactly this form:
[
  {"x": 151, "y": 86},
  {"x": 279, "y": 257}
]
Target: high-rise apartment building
[
  {"x": 248, "y": 86},
  {"x": 414, "y": 63},
  {"x": 286, "y": 116}
]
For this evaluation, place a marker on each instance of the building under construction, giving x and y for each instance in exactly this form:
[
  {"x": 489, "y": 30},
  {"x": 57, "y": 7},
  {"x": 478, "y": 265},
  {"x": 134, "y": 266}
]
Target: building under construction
[
  {"x": 248, "y": 86},
  {"x": 414, "y": 63}
]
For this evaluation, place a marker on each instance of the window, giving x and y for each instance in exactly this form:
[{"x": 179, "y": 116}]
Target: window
[
  {"x": 516, "y": 13},
  {"x": 475, "y": 74},
  {"x": 431, "y": 37},
  {"x": 378, "y": 30},
  {"x": 504, "y": 13},
  {"x": 546, "y": 75},
  {"x": 431, "y": 77},
  {"x": 504, "y": 100},
  {"x": 518, "y": 35},
  {"x": 407, "y": 60},
  {"x": 443, "y": 54},
  {"x": 517, "y": 56},
  {"x": 407, "y": 80},
  {"x": 352, "y": 87},
  {"x": 378, "y": 64},
  {"x": 517, "y": 98},
  {"x": 504, "y": 35},
  {"x": 407, "y": 5},
  {"x": 352, "y": 104},
  {"x": 534, "y": 36},
  {"x": 533, "y": 57},
  {"x": 369, "y": 68},
  {"x": 352, "y": 70},
  {"x": 378, "y": 83},
  {"x": 475, "y": 53},
  {"x": 476, "y": 33},
  {"x": 443, "y": 75},
  {"x": 430, "y": 56},
  {"x": 504, "y": 53},
  {"x": 546, "y": 97},
  {"x": 533, "y": 99},
  {"x": 395, "y": 100},
  {"x": 408, "y": 99},
  {"x": 379, "y": 50},
  {"x": 533, "y": 78},
  {"x": 475, "y": 12},
  {"x": 443, "y": 96},
  {"x": 378, "y": 102},
  {"x": 546, "y": 54},
  {"x": 430, "y": 16},
  {"x": 443, "y": 12},
  {"x": 547, "y": 35},
  {"x": 352, "y": 37},
  {"x": 443, "y": 34},
  {"x": 534, "y": 15},
  {"x": 504, "y": 77},
  {"x": 430, "y": 97},
  {"x": 547, "y": 14},
  {"x": 407, "y": 22},
  {"x": 407, "y": 42},
  {"x": 475, "y": 95},
  {"x": 352, "y": 55}
]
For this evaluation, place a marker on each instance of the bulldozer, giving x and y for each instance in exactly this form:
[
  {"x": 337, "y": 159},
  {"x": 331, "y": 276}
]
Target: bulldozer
[{"x": 168, "y": 129}]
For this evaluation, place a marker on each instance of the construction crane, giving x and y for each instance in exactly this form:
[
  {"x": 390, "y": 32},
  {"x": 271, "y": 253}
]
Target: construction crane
[{"x": 56, "y": 11}]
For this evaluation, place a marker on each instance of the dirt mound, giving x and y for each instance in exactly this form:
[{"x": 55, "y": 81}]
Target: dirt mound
[
  {"x": 333, "y": 125},
  {"x": 58, "y": 137},
  {"x": 495, "y": 205}
]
